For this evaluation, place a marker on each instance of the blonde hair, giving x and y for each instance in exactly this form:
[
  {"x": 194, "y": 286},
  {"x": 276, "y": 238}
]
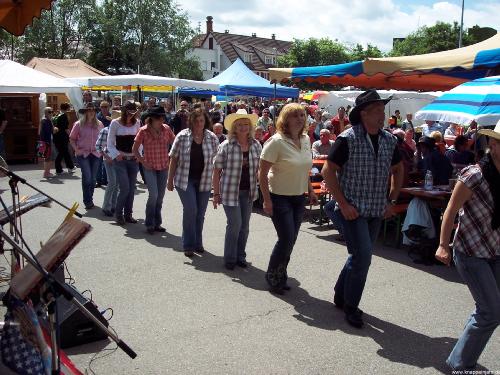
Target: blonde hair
[
  {"x": 286, "y": 112},
  {"x": 438, "y": 137},
  {"x": 232, "y": 133},
  {"x": 84, "y": 120}
]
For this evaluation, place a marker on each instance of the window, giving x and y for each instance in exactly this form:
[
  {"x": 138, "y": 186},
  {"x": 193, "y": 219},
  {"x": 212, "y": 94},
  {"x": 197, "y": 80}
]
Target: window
[
  {"x": 210, "y": 43},
  {"x": 212, "y": 65},
  {"x": 270, "y": 60},
  {"x": 247, "y": 57}
]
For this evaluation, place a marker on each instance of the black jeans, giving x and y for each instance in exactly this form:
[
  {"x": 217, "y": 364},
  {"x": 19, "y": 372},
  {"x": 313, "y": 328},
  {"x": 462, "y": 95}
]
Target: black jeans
[
  {"x": 288, "y": 212},
  {"x": 63, "y": 153}
]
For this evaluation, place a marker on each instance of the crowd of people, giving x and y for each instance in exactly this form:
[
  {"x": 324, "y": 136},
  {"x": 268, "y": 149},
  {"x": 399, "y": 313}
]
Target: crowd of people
[{"x": 247, "y": 150}]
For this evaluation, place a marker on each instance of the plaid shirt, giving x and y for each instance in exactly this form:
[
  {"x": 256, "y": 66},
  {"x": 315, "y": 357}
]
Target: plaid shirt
[
  {"x": 155, "y": 148},
  {"x": 474, "y": 235},
  {"x": 181, "y": 150},
  {"x": 229, "y": 158},
  {"x": 101, "y": 143}
]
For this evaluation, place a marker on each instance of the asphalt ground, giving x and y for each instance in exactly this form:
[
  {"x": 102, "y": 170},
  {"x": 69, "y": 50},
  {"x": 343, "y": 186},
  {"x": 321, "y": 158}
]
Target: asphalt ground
[{"x": 192, "y": 316}]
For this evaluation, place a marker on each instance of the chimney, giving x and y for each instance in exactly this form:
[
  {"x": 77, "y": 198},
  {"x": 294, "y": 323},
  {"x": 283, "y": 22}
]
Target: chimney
[
  {"x": 210, "y": 24},
  {"x": 226, "y": 31},
  {"x": 254, "y": 35},
  {"x": 273, "y": 36}
]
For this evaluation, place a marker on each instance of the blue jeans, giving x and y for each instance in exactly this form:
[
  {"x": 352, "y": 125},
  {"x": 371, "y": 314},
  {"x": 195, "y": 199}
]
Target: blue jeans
[
  {"x": 126, "y": 174},
  {"x": 111, "y": 193},
  {"x": 334, "y": 215},
  {"x": 482, "y": 276},
  {"x": 88, "y": 165},
  {"x": 360, "y": 235},
  {"x": 157, "y": 184},
  {"x": 288, "y": 212},
  {"x": 237, "y": 228},
  {"x": 101, "y": 177},
  {"x": 194, "y": 206}
]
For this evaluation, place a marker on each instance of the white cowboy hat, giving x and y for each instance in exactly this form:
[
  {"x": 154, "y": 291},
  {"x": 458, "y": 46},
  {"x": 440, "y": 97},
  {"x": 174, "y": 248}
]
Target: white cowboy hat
[
  {"x": 240, "y": 113},
  {"x": 495, "y": 133}
]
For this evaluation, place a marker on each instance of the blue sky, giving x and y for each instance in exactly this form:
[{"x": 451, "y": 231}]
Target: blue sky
[{"x": 349, "y": 21}]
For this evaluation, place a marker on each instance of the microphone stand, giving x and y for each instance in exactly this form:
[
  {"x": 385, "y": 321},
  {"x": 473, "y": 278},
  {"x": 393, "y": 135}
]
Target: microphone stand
[{"x": 54, "y": 288}]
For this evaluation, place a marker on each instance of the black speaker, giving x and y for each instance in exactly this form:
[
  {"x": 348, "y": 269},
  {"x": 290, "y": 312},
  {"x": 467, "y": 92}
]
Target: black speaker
[{"x": 75, "y": 328}]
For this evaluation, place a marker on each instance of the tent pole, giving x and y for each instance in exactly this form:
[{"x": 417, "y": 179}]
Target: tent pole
[{"x": 275, "y": 91}]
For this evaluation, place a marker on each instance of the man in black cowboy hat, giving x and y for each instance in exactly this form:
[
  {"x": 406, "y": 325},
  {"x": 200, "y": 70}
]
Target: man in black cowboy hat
[{"x": 357, "y": 173}]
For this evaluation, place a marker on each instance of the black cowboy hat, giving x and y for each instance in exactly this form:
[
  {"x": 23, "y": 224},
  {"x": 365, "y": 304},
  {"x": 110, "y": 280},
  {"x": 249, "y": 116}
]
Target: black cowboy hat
[
  {"x": 155, "y": 111},
  {"x": 428, "y": 141},
  {"x": 363, "y": 99},
  {"x": 87, "y": 107}
]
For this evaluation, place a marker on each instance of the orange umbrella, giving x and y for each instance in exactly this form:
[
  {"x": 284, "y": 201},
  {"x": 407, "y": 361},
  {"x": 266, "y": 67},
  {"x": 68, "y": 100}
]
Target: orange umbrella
[{"x": 15, "y": 15}]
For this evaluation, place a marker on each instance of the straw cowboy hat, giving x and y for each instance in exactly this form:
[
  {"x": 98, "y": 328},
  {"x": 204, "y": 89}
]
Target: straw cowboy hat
[
  {"x": 115, "y": 114},
  {"x": 240, "y": 113},
  {"x": 495, "y": 133},
  {"x": 363, "y": 99}
]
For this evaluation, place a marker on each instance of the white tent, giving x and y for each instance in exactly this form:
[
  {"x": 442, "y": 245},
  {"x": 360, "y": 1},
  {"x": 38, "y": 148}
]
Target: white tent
[
  {"x": 140, "y": 80},
  {"x": 405, "y": 101},
  {"x": 17, "y": 78}
]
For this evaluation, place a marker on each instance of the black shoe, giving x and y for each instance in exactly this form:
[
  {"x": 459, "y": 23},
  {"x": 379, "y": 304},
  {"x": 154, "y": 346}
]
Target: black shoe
[
  {"x": 120, "y": 220},
  {"x": 353, "y": 316},
  {"x": 200, "y": 250},
  {"x": 130, "y": 219},
  {"x": 277, "y": 290},
  {"x": 107, "y": 213},
  {"x": 159, "y": 228},
  {"x": 242, "y": 263},
  {"x": 188, "y": 253},
  {"x": 89, "y": 206},
  {"x": 229, "y": 266},
  {"x": 98, "y": 184},
  {"x": 287, "y": 287},
  {"x": 150, "y": 230}
]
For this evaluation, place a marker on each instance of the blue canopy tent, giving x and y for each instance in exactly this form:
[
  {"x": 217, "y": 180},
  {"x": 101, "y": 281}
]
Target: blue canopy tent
[{"x": 239, "y": 80}]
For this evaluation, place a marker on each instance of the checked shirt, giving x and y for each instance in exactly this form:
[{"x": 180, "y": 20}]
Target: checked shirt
[
  {"x": 229, "y": 158},
  {"x": 155, "y": 149},
  {"x": 474, "y": 235},
  {"x": 181, "y": 150}
]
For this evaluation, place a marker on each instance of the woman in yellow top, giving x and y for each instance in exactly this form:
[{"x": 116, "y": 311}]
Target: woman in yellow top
[{"x": 284, "y": 179}]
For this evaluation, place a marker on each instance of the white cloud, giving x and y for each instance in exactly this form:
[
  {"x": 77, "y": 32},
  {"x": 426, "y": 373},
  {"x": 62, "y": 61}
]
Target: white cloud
[{"x": 350, "y": 21}]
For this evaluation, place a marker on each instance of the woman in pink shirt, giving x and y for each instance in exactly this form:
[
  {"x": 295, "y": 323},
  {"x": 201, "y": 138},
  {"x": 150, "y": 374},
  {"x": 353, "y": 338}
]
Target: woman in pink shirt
[
  {"x": 83, "y": 138},
  {"x": 155, "y": 138}
]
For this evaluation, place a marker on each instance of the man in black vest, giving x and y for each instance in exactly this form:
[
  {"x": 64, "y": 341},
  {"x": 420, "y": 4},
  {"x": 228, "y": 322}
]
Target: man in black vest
[{"x": 357, "y": 173}]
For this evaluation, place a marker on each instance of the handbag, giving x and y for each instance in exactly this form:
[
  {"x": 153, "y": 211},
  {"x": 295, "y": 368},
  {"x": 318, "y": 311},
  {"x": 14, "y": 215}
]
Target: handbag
[{"x": 42, "y": 149}]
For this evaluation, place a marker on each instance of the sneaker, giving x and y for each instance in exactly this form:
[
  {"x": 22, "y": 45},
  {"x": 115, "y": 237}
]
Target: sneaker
[
  {"x": 120, "y": 220},
  {"x": 159, "y": 228},
  {"x": 71, "y": 170},
  {"x": 130, "y": 219}
]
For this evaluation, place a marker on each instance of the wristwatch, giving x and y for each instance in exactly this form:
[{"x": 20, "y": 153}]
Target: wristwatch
[{"x": 393, "y": 202}]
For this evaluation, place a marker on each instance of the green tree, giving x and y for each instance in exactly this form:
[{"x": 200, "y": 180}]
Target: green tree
[
  {"x": 151, "y": 36},
  {"x": 314, "y": 52},
  {"x": 60, "y": 32},
  {"x": 358, "y": 53}
]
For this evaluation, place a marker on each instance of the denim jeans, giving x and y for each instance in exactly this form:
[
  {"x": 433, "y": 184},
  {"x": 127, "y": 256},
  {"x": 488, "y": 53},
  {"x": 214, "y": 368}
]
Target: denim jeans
[
  {"x": 88, "y": 165},
  {"x": 101, "y": 177},
  {"x": 334, "y": 215},
  {"x": 360, "y": 235},
  {"x": 482, "y": 276},
  {"x": 62, "y": 154},
  {"x": 288, "y": 212},
  {"x": 237, "y": 228},
  {"x": 111, "y": 193},
  {"x": 157, "y": 184},
  {"x": 194, "y": 206},
  {"x": 126, "y": 174}
]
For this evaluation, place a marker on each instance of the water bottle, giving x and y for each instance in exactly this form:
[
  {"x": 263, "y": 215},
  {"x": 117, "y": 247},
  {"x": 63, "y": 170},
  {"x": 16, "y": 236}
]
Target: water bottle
[{"x": 428, "y": 184}]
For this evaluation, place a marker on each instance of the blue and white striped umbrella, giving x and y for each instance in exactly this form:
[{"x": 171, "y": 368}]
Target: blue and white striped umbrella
[{"x": 477, "y": 100}]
